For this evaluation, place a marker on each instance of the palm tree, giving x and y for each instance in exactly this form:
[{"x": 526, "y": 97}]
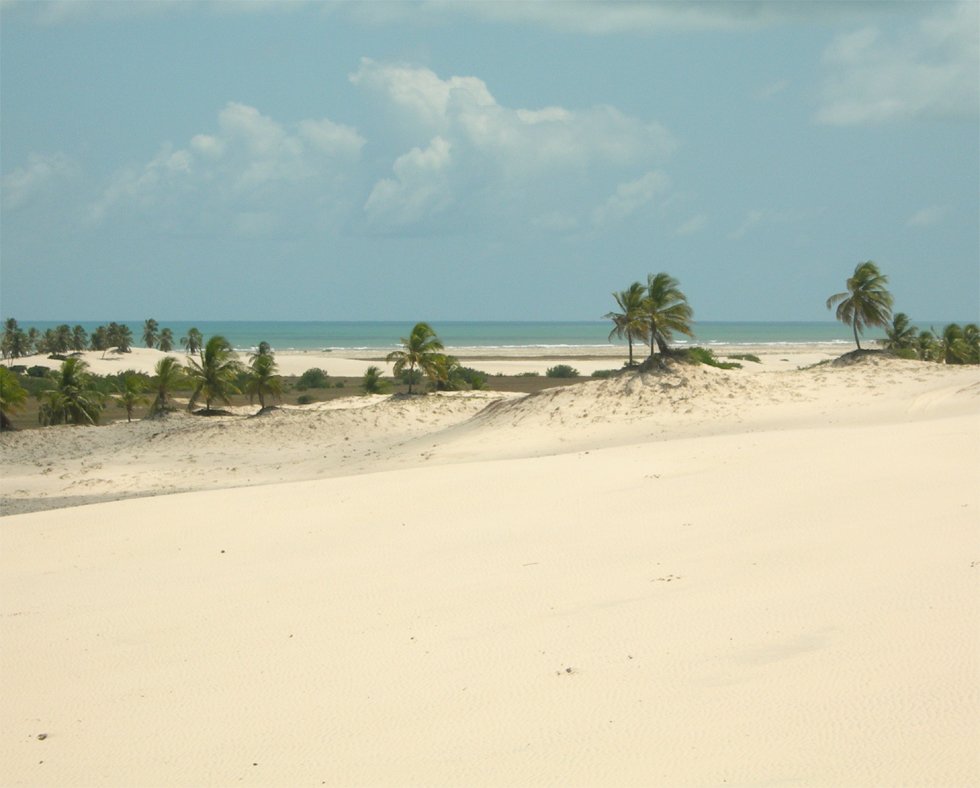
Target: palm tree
[
  {"x": 958, "y": 344},
  {"x": 193, "y": 341},
  {"x": 420, "y": 350},
  {"x": 901, "y": 334},
  {"x": 120, "y": 336},
  {"x": 971, "y": 339},
  {"x": 79, "y": 338},
  {"x": 99, "y": 339},
  {"x": 12, "y": 397},
  {"x": 926, "y": 346},
  {"x": 630, "y": 322},
  {"x": 866, "y": 302},
  {"x": 150, "y": 332},
  {"x": 169, "y": 376},
  {"x": 131, "y": 394},
  {"x": 665, "y": 310},
  {"x": 15, "y": 342},
  {"x": 214, "y": 374},
  {"x": 73, "y": 400},
  {"x": 373, "y": 382},
  {"x": 166, "y": 340},
  {"x": 263, "y": 378}
]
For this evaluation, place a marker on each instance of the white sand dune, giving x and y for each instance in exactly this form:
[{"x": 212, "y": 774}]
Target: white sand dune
[{"x": 699, "y": 578}]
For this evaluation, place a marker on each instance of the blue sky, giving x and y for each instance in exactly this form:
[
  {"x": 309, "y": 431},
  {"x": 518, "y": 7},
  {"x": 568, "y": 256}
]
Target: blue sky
[{"x": 445, "y": 161}]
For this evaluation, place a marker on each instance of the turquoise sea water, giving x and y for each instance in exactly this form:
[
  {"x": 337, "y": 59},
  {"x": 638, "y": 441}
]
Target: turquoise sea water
[{"x": 322, "y": 335}]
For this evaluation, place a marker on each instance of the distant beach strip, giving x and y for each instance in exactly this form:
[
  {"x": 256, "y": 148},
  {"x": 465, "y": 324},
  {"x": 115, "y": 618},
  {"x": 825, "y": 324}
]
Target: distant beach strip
[{"x": 589, "y": 336}]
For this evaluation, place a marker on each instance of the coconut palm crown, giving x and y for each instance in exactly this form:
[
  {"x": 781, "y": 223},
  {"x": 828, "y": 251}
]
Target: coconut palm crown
[
  {"x": 665, "y": 311},
  {"x": 169, "y": 375},
  {"x": 213, "y": 373},
  {"x": 263, "y": 378},
  {"x": 866, "y": 302},
  {"x": 630, "y": 321},
  {"x": 421, "y": 350}
]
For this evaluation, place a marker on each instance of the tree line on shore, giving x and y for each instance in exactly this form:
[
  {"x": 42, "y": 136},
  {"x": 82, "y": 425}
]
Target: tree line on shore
[
  {"x": 654, "y": 312},
  {"x": 649, "y": 314},
  {"x": 18, "y": 343}
]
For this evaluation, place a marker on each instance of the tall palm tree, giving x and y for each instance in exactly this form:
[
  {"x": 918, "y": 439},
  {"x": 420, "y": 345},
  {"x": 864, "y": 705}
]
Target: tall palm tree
[
  {"x": 73, "y": 400},
  {"x": 214, "y": 373},
  {"x": 421, "y": 349},
  {"x": 901, "y": 334},
  {"x": 263, "y": 378},
  {"x": 169, "y": 376},
  {"x": 120, "y": 337},
  {"x": 166, "y": 340},
  {"x": 866, "y": 302},
  {"x": 131, "y": 394},
  {"x": 954, "y": 345},
  {"x": 12, "y": 397},
  {"x": 15, "y": 342},
  {"x": 665, "y": 310},
  {"x": 151, "y": 332},
  {"x": 630, "y": 321},
  {"x": 193, "y": 341}
]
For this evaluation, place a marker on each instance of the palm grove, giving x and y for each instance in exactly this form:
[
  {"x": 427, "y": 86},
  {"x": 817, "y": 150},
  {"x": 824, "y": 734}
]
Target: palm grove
[{"x": 647, "y": 316}]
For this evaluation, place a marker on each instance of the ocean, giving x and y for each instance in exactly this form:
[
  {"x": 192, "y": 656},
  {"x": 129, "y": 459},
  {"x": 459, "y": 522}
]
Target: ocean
[{"x": 375, "y": 335}]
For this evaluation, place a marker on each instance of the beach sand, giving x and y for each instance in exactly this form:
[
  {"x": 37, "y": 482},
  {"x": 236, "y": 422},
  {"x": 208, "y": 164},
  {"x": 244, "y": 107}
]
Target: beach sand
[{"x": 767, "y": 576}]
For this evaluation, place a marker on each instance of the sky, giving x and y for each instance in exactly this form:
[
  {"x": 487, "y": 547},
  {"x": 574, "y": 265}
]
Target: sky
[{"x": 206, "y": 160}]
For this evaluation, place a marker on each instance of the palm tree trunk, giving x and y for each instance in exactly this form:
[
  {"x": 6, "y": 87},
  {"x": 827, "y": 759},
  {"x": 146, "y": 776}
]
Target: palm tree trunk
[
  {"x": 856, "y": 338},
  {"x": 629, "y": 339}
]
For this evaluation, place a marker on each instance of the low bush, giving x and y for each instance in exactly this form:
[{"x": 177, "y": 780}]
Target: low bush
[
  {"x": 561, "y": 371},
  {"x": 527, "y": 375},
  {"x": 305, "y": 399},
  {"x": 605, "y": 373},
  {"x": 701, "y": 355},
  {"x": 37, "y": 372},
  {"x": 746, "y": 357},
  {"x": 314, "y": 378}
]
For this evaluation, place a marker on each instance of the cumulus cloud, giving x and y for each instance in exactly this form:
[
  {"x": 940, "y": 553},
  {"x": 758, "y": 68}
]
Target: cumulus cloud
[
  {"x": 693, "y": 225},
  {"x": 930, "y": 71},
  {"x": 41, "y": 172},
  {"x": 635, "y": 17},
  {"x": 629, "y": 198},
  {"x": 508, "y": 156},
  {"x": 927, "y": 217},
  {"x": 419, "y": 189},
  {"x": 242, "y": 168}
]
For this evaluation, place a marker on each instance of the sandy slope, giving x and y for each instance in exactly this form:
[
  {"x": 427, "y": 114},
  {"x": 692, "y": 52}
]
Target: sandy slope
[{"x": 689, "y": 579}]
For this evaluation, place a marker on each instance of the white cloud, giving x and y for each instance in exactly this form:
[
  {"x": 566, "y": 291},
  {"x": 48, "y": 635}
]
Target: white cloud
[
  {"x": 927, "y": 72},
  {"x": 252, "y": 165},
  {"x": 636, "y": 17},
  {"x": 40, "y": 172},
  {"x": 419, "y": 189},
  {"x": 629, "y": 198},
  {"x": 693, "y": 225},
  {"x": 753, "y": 219},
  {"x": 513, "y": 162},
  {"x": 463, "y": 109},
  {"x": 927, "y": 217}
]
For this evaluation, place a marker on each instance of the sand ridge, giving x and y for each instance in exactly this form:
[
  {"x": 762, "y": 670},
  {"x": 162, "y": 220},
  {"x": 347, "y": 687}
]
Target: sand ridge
[{"x": 680, "y": 587}]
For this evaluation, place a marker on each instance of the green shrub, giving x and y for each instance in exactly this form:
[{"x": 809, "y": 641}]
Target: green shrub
[
  {"x": 561, "y": 371},
  {"x": 906, "y": 352},
  {"x": 527, "y": 375},
  {"x": 701, "y": 355},
  {"x": 411, "y": 376},
  {"x": 338, "y": 384},
  {"x": 746, "y": 357},
  {"x": 605, "y": 373},
  {"x": 314, "y": 378},
  {"x": 305, "y": 399},
  {"x": 467, "y": 378},
  {"x": 37, "y": 372}
]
